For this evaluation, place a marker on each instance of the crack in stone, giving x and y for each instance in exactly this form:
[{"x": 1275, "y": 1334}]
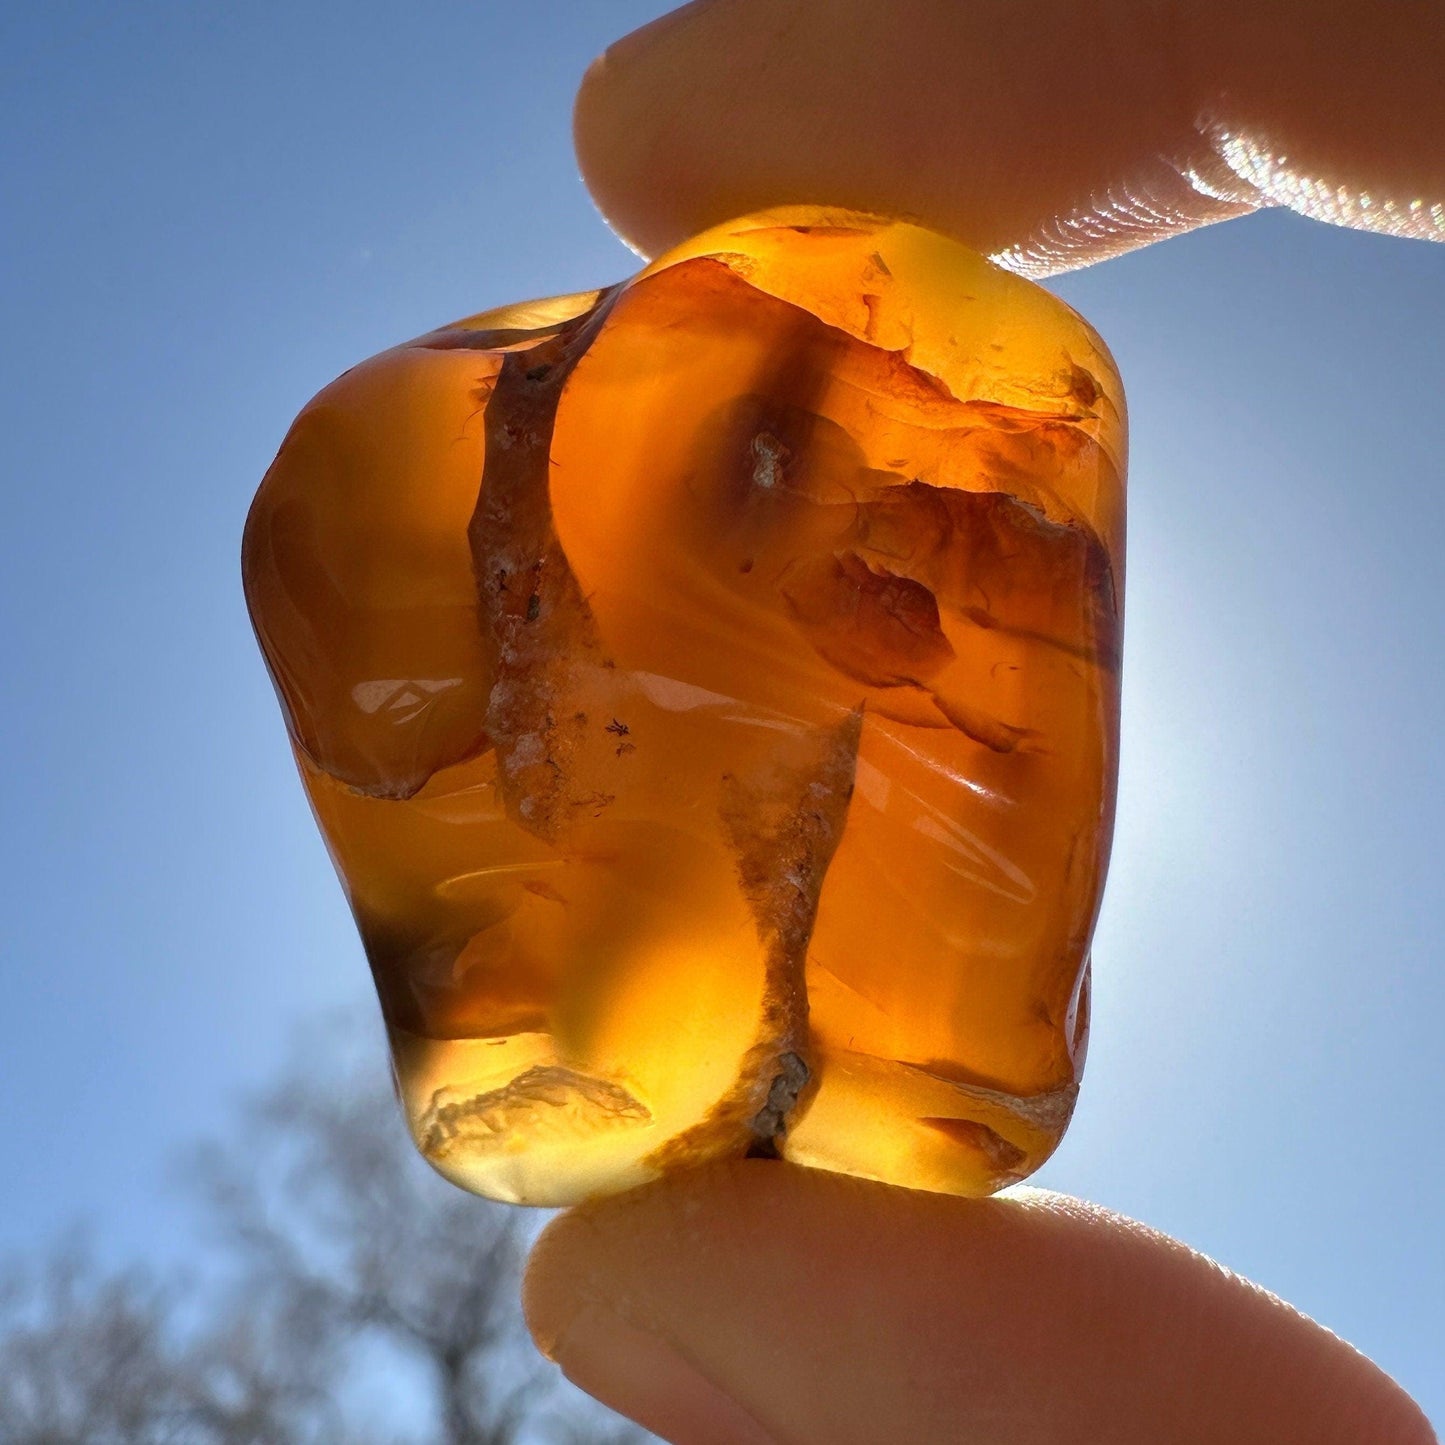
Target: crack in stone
[
  {"x": 784, "y": 821},
  {"x": 771, "y": 1121},
  {"x": 528, "y": 597}
]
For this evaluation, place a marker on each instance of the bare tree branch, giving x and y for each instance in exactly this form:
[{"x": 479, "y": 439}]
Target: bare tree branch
[{"x": 367, "y": 1302}]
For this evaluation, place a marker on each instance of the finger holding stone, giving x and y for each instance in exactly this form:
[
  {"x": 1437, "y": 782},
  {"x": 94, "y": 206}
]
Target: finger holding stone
[
  {"x": 1052, "y": 135},
  {"x": 754, "y": 1302}
]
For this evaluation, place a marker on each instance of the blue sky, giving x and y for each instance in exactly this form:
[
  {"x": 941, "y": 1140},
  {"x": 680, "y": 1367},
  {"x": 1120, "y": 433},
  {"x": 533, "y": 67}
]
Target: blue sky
[{"x": 210, "y": 211}]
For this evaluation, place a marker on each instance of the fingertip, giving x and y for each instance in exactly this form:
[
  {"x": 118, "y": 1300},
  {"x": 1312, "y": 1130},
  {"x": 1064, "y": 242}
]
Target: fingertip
[
  {"x": 756, "y": 1301},
  {"x": 615, "y": 137},
  {"x": 611, "y": 1339},
  {"x": 1049, "y": 136},
  {"x": 605, "y": 1250},
  {"x": 547, "y": 1296},
  {"x": 1003, "y": 128}
]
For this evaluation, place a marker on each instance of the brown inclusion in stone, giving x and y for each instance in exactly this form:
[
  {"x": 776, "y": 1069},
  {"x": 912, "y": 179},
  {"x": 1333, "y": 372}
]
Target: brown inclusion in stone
[{"x": 708, "y": 690}]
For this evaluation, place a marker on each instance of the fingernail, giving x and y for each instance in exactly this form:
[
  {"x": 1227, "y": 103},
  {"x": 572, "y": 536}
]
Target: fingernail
[{"x": 642, "y": 1376}]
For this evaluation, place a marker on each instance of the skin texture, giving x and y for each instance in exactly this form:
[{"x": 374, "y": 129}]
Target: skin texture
[
  {"x": 755, "y": 1302},
  {"x": 1069, "y": 131}
]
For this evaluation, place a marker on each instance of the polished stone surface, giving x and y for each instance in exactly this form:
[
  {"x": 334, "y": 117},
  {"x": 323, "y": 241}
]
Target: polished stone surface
[{"x": 708, "y": 689}]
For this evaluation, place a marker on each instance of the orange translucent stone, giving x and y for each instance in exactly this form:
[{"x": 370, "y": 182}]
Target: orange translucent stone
[{"x": 708, "y": 689}]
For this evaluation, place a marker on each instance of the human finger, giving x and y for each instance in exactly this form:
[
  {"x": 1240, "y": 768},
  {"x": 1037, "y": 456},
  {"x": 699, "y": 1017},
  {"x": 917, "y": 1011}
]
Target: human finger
[
  {"x": 1048, "y": 135},
  {"x": 758, "y": 1302}
]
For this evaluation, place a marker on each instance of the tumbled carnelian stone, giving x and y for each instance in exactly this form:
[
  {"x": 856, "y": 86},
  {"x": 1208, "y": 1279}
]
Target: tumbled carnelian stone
[{"x": 708, "y": 690}]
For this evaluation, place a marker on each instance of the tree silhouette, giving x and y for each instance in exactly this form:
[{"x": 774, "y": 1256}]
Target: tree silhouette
[{"x": 361, "y": 1301}]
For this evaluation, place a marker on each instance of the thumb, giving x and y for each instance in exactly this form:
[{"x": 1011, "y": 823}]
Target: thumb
[{"x": 756, "y": 1302}]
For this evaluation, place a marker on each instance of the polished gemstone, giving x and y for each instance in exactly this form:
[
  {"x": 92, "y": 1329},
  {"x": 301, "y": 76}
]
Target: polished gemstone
[{"x": 708, "y": 690}]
